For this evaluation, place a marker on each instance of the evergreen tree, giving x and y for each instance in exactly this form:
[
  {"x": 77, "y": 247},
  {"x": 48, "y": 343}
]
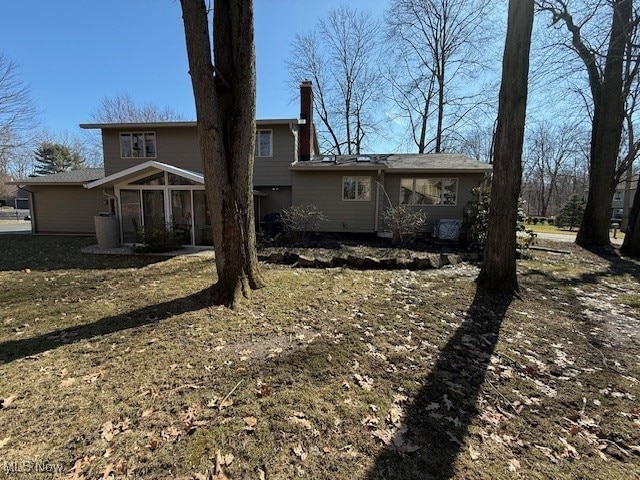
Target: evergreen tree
[
  {"x": 56, "y": 158},
  {"x": 572, "y": 213}
]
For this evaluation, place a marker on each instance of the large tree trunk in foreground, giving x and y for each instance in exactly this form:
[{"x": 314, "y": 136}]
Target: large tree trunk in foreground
[
  {"x": 606, "y": 133},
  {"x": 225, "y": 108},
  {"x": 498, "y": 270}
]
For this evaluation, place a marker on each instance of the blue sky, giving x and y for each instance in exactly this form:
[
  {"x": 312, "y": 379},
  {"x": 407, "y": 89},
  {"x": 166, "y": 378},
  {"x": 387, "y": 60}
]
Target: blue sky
[{"x": 75, "y": 52}]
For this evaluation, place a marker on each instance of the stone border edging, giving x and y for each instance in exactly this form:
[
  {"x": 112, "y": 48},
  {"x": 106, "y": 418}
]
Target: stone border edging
[{"x": 423, "y": 262}]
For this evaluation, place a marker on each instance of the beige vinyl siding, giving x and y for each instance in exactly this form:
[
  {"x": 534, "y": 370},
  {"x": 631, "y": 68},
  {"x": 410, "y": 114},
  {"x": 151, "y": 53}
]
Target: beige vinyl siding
[
  {"x": 324, "y": 190},
  {"x": 466, "y": 182},
  {"x": 178, "y": 146},
  {"x": 66, "y": 209},
  {"x": 274, "y": 170},
  {"x": 174, "y": 146},
  {"x": 274, "y": 202}
]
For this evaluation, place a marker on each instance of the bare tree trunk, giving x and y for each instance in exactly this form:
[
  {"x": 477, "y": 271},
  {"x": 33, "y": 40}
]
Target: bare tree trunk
[
  {"x": 607, "y": 131},
  {"x": 498, "y": 270},
  {"x": 225, "y": 109},
  {"x": 441, "y": 80}
]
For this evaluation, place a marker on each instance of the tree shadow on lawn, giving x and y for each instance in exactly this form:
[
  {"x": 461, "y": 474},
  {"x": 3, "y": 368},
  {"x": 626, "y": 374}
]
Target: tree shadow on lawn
[
  {"x": 618, "y": 264},
  {"x": 457, "y": 377},
  {"x": 47, "y": 252},
  {"x": 15, "y": 349}
]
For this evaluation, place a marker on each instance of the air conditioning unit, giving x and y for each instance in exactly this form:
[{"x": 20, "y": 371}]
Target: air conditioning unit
[{"x": 447, "y": 229}]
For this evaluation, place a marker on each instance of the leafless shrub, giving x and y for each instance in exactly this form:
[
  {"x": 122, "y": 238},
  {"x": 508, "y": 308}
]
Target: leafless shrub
[
  {"x": 300, "y": 220},
  {"x": 404, "y": 221}
]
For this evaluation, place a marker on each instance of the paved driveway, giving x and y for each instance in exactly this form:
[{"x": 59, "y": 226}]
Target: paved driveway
[
  {"x": 11, "y": 214},
  {"x": 15, "y": 227},
  {"x": 570, "y": 238}
]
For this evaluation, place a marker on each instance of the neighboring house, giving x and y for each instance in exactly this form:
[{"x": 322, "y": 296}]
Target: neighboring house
[
  {"x": 153, "y": 177},
  {"x": 21, "y": 200},
  {"x": 7, "y": 190},
  {"x": 618, "y": 206}
]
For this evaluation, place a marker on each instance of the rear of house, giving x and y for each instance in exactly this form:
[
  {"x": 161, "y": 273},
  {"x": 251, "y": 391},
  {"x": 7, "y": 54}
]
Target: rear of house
[
  {"x": 353, "y": 192},
  {"x": 153, "y": 177}
]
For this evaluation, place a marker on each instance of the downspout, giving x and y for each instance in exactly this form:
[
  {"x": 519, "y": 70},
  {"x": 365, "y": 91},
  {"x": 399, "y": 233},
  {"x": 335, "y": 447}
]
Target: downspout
[
  {"x": 380, "y": 180},
  {"x": 115, "y": 200},
  {"x": 32, "y": 210},
  {"x": 116, "y": 207}
]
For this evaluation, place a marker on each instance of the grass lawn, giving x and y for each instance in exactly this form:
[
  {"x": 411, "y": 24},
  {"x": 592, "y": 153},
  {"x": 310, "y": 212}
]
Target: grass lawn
[
  {"x": 112, "y": 367},
  {"x": 539, "y": 228}
]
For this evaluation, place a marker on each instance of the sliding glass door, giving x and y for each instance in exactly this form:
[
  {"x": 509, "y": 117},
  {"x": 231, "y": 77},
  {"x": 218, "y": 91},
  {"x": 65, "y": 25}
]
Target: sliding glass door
[
  {"x": 153, "y": 209},
  {"x": 202, "y": 231},
  {"x": 131, "y": 214},
  {"x": 181, "y": 215}
]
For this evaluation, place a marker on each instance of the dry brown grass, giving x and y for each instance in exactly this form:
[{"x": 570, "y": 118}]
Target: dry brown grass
[{"x": 112, "y": 367}]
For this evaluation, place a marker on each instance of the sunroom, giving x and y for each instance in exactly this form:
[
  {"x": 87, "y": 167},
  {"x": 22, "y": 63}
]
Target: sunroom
[{"x": 155, "y": 195}]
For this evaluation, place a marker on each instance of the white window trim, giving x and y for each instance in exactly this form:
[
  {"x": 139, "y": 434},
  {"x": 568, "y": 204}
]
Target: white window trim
[
  {"x": 439, "y": 205},
  {"x": 257, "y": 149},
  {"x": 357, "y": 178},
  {"x": 138, "y": 133}
]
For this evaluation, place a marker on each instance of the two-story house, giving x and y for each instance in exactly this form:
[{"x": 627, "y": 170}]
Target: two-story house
[{"x": 152, "y": 177}]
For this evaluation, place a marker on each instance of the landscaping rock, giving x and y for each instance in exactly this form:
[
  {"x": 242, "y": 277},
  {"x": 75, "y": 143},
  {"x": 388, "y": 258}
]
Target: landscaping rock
[
  {"x": 405, "y": 263},
  {"x": 276, "y": 257},
  {"x": 339, "y": 261},
  {"x": 305, "y": 262},
  {"x": 290, "y": 258},
  {"x": 388, "y": 263},
  {"x": 422, "y": 263},
  {"x": 355, "y": 261},
  {"x": 371, "y": 263},
  {"x": 438, "y": 260},
  {"x": 453, "y": 259},
  {"x": 363, "y": 257},
  {"x": 323, "y": 262}
]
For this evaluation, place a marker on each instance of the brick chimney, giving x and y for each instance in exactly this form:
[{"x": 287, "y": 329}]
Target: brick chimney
[{"x": 306, "y": 141}]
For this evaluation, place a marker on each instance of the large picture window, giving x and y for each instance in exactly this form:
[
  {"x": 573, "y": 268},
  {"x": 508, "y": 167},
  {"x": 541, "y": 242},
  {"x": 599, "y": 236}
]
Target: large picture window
[
  {"x": 264, "y": 143},
  {"x": 428, "y": 191},
  {"x": 356, "y": 188},
  {"x": 138, "y": 145}
]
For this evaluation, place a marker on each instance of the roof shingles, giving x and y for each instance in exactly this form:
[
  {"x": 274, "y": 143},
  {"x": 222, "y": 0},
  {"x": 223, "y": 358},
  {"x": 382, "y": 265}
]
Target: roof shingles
[
  {"x": 434, "y": 162},
  {"x": 71, "y": 177}
]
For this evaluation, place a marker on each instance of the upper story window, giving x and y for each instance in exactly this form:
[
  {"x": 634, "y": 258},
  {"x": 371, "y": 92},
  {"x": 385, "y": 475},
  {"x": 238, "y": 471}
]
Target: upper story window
[
  {"x": 428, "y": 191},
  {"x": 264, "y": 143},
  {"x": 138, "y": 145},
  {"x": 356, "y": 188}
]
